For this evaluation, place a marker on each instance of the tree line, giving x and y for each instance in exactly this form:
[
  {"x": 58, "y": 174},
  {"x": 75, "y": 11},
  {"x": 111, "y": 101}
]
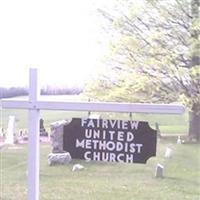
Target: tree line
[{"x": 49, "y": 90}]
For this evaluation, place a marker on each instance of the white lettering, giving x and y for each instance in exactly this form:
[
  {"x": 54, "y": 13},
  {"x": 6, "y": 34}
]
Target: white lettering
[
  {"x": 111, "y": 135},
  {"x": 132, "y": 148},
  {"x": 139, "y": 146},
  {"x": 134, "y": 124},
  {"x": 95, "y": 142},
  {"x": 120, "y": 135},
  {"x": 112, "y": 123},
  {"x": 86, "y": 156},
  {"x": 98, "y": 123},
  {"x": 96, "y": 134},
  {"x": 88, "y": 133},
  {"x": 129, "y": 158},
  {"x": 109, "y": 157},
  {"x": 126, "y": 147},
  {"x": 112, "y": 157},
  {"x": 80, "y": 144},
  {"x": 96, "y": 156},
  {"x": 104, "y": 134},
  {"x": 119, "y": 124},
  {"x": 110, "y": 146},
  {"x": 102, "y": 145},
  {"x": 120, "y": 157},
  {"x": 119, "y": 146},
  {"x": 83, "y": 122},
  {"x": 104, "y": 123},
  {"x": 125, "y": 125},
  {"x": 91, "y": 123},
  {"x": 88, "y": 144},
  {"x": 105, "y": 156},
  {"x": 130, "y": 137}
]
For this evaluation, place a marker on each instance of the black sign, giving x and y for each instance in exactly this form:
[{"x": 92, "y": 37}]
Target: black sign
[{"x": 109, "y": 140}]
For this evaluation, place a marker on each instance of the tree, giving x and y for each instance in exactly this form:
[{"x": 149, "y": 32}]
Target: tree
[{"x": 155, "y": 55}]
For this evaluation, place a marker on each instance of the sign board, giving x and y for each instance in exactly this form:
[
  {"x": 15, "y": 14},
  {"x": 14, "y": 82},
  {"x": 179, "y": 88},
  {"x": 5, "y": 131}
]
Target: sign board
[{"x": 109, "y": 140}]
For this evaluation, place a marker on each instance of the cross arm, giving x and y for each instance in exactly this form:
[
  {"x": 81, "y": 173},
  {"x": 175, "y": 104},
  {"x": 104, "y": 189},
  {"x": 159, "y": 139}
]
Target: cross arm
[
  {"x": 113, "y": 107},
  {"x": 96, "y": 106}
]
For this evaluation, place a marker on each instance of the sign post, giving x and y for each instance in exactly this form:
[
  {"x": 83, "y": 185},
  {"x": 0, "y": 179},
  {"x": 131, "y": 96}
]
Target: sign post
[
  {"x": 34, "y": 105},
  {"x": 33, "y": 137}
]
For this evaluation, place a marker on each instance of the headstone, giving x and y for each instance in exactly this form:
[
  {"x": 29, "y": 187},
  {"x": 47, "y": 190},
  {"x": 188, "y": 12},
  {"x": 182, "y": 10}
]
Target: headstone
[
  {"x": 22, "y": 138},
  {"x": 168, "y": 152},
  {"x": 179, "y": 141},
  {"x": 159, "y": 171},
  {"x": 59, "y": 158},
  {"x": 10, "y": 139},
  {"x": 2, "y": 136},
  {"x": 58, "y": 155},
  {"x": 158, "y": 129},
  {"x": 43, "y": 132},
  {"x": 1, "y": 131},
  {"x": 57, "y": 131},
  {"x": 77, "y": 167},
  {"x": 25, "y": 135},
  {"x": 109, "y": 140}
]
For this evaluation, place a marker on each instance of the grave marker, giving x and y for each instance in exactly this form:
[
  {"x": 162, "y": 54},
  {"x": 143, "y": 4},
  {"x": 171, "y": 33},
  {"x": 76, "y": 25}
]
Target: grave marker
[
  {"x": 10, "y": 137},
  {"x": 159, "y": 171},
  {"x": 168, "y": 152},
  {"x": 43, "y": 132}
]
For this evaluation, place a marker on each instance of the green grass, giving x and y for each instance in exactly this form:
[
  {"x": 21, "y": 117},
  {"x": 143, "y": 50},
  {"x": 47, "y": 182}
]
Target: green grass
[
  {"x": 169, "y": 124},
  {"x": 106, "y": 181}
]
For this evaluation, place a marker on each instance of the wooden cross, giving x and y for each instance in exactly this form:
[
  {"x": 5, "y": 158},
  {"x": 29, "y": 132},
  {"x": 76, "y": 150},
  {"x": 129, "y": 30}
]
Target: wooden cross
[{"x": 34, "y": 105}]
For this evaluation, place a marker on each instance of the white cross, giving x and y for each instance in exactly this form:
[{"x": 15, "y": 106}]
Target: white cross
[{"x": 34, "y": 105}]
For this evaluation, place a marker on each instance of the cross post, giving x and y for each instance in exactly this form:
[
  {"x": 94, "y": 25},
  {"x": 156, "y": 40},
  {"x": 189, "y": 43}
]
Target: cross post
[{"x": 33, "y": 137}]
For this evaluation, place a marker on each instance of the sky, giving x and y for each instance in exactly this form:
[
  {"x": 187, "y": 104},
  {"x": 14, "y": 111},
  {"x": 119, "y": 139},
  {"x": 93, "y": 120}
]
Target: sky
[{"x": 55, "y": 36}]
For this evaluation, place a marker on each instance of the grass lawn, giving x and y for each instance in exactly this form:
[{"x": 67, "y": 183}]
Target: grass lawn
[{"x": 106, "y": 181}]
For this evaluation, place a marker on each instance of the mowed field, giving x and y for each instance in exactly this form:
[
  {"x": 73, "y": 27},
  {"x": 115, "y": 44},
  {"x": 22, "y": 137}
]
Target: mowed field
[
  {"x": 169, "y": 124},
  {"x": 101, "y": 180},
  {"x": 105, "y": 181}
]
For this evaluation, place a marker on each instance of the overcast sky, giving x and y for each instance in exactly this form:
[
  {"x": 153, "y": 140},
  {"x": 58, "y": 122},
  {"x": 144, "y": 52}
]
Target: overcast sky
[{"x": 55, "y": 36}]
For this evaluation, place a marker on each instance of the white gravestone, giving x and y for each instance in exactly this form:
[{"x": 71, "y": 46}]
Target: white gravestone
[
  {"x": 1, "y": 131},
  {"x": 179, "y": 141},
  {"x": 159, "y": 171},
  {"x": 168, "y": 152},
  {"x": 10, "y": 139},
  {"x": 77, "y": 167}
]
